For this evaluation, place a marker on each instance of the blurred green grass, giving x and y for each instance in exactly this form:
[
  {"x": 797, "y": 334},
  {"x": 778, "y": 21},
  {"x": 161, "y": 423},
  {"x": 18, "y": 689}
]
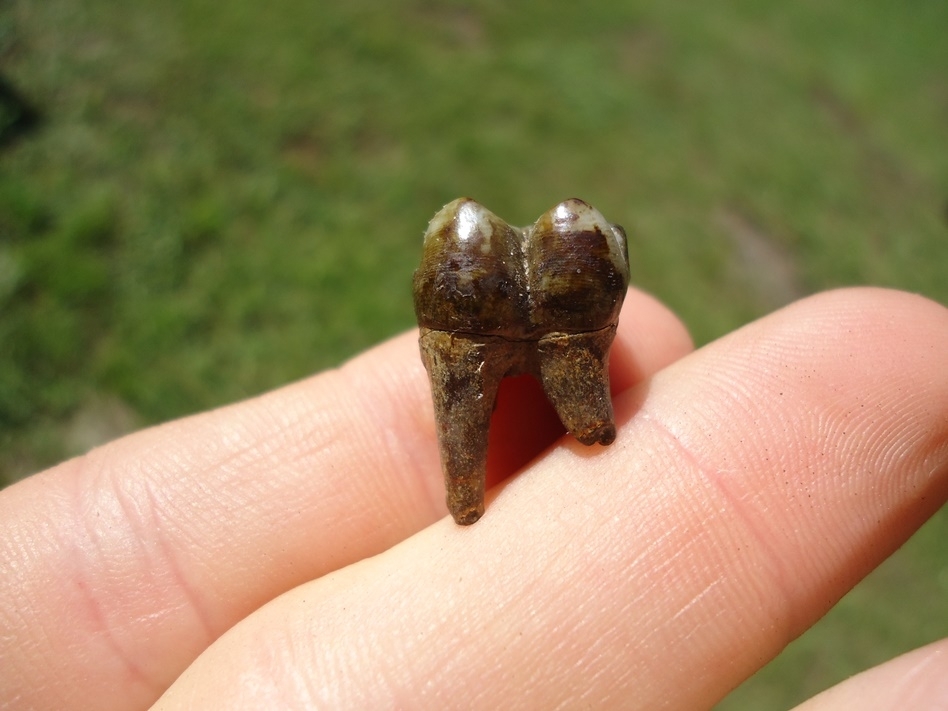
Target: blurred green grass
[{"x": 226, "y": 197}]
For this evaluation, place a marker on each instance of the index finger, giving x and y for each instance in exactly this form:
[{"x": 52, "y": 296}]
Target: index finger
[
  {"x": 754, "y": 482},
  {"x": 154, "y": 545}
]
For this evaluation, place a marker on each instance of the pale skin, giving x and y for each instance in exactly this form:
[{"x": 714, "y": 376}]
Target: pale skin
[{"x": 293, "y": 551}]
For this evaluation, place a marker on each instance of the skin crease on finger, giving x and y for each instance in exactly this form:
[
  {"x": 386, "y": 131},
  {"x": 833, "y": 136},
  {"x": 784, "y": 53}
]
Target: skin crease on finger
[
  {"x": 154, "y": 545},
  {"x": 751, "y": 485}
]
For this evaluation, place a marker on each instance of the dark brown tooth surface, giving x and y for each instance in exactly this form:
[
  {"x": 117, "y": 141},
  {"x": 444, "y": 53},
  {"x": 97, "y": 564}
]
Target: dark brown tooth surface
[
  {"x": 493, "y": 300},
  {"x": 574, "y": 370},
  {"x": 578, "y": 271},
  {"x": 471, "y": 276},
  {"x": 465, "y": 373}
]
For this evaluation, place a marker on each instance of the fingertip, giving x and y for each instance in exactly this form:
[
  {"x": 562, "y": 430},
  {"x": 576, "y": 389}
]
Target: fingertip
[
  {"x": 825, "y": 424},
  {"x": 915, "y": 680}
]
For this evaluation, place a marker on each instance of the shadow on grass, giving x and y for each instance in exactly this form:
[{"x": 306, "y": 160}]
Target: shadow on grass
[{"x": 18, "y": 117}]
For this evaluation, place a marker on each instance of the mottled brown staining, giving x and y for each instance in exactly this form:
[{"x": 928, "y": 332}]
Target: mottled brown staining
[
  {"x": 468, "y": 280},
  {"x": 494, "y": 300}
]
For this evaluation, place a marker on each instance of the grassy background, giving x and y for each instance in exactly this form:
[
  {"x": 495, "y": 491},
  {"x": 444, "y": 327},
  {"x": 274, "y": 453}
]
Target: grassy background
[{"x": 223, "y": 197}]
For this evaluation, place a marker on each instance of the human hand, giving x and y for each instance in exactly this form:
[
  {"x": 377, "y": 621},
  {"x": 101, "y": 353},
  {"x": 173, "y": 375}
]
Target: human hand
[{"x": 292, "y": 551}]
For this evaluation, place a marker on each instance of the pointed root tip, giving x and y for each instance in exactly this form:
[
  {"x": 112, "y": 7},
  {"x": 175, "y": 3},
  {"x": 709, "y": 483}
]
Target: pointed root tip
[
  {"x": 468, "y": 515},
  {"x": 604, "y": 434}
]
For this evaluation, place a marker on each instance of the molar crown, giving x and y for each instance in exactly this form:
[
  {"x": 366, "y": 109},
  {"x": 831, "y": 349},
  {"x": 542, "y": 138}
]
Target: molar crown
[
  {"x": 566, "y": 273},
  {"x": 579, "y": 269},
  {"x": 471, "y": 277}
]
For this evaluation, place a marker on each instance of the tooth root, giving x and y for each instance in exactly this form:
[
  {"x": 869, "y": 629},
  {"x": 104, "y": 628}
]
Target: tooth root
[
  {"x": 465, "y": 374},
  {"x": 575, "y": 375}
]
